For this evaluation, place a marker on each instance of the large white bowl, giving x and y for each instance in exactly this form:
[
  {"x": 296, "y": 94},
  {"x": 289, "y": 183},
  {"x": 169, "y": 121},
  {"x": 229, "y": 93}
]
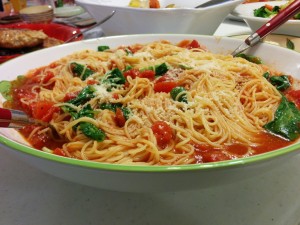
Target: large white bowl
[
  {"x": 245, "y": 11},
  {"x": 183, "y": 20},
  {"x": 147, "y": 178}
]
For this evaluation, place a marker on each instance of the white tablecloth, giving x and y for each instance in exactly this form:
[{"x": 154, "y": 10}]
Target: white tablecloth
[{"x": 31, "y": 197}]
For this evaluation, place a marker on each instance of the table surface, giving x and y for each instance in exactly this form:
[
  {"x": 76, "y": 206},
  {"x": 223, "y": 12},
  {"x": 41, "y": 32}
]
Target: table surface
[{"x": 29, "y": 196}]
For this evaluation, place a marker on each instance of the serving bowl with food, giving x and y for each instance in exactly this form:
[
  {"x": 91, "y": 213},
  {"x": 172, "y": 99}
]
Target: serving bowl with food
[
  {"x": 148, "y": 113},
  {"x": 171, "y": 17},
  {"x": 20, "y": 38},
  {"x": 259, "y": 13}
]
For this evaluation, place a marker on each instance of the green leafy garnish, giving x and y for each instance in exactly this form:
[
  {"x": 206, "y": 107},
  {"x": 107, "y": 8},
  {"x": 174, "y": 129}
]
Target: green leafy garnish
[
  {"x": 126, "y": 112},
  {"x": 286, "y": 123},
  {"x": 290, "y": 44},
  {"x": 266, "y": 75},
  {"x": 114, "y": 77},
  {"x": 92, "y": 132},
  {"x": 264, "y": 12},
  {"x": 80, "y": 70},
  {"x": 179, "y": 94},
  {"x": 161, "y": 69},
  {"x": 85, "y": 95},
  {"x": 110, "y": 106},
  {"x": 250, "y": 58},
  {"x": 5, "y": 89},
  {"x": 102, "y": 48},
  {"x": 280, "y": 82}
]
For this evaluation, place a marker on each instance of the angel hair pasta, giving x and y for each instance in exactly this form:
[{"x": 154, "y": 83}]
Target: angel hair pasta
[{"x": 154, "y": 104}]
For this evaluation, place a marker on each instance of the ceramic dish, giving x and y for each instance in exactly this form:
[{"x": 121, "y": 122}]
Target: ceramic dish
[
  {"x": 53, "y": 30},
  {"x": 184, "y": 19},
  {"x": 147, "y": 178},
  {"x": 245, "y": 11},
  {"x": 37, "y": 14}
]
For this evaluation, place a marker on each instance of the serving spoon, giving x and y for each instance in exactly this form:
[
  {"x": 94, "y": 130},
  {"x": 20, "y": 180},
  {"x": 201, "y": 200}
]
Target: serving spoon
[{"x": 283, "y": 16}]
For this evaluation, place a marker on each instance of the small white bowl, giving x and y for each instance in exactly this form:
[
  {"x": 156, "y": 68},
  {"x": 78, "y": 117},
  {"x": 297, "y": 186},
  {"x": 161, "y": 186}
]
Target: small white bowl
[
  {"x": 245, "y": 11},
  {"x": 37, "y": 14},
  {"x": 185, "y": 19}
]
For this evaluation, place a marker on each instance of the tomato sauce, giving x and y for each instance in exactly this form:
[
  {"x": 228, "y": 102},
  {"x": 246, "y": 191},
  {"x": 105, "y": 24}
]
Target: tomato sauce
[
  {"x": 268, "y": 142},
  {"x": 39, "y": 140}
]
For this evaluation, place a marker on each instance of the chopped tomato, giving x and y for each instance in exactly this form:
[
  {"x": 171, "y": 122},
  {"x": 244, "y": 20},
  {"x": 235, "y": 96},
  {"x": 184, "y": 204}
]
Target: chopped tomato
[
  {"x": 149, "y": 74},
  {"x": 48, "y": 76},
  {"x": 91, "y": 82},
  {"x": 189, "y": 44},
  {"x": 59, "y": 151},
  {"x": 70, "y": 96},
  {"x": 294, "y": 95},
  {"x": 154, "y": 4},
  {"x": 164, "y": 86},
  {"x": 269, "y": 7},
  {"x": 133, "y": 73},
  {"x": 23, "y": 93},
  {"x": 46, "y": 79},
  {"x": 163, "y": 133},
  {"x": 134, "y": 48},
  {"x": 120, "y": 118},
  {"x": 115, "y": 96},
  {"x": 193, "y": 44},
  {"x": 164, "y": 78},
  {"x": 44, "y": 110}
]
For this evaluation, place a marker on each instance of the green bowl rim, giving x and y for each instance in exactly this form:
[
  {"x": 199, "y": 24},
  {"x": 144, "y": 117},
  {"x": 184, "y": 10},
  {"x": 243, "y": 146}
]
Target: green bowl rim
[{"x": 141, "y": 168}]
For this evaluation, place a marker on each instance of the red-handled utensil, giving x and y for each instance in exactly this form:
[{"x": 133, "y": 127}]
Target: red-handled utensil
[
  {"x": 11, "y": 118},
  {"x": 271, "y": 25}
]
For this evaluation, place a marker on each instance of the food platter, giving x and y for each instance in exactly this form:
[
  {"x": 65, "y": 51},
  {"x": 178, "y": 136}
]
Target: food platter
[{"x": 58, "y": 31}]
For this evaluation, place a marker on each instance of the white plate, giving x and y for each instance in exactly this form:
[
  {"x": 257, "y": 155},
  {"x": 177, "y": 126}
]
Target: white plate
[{"x": 245, "y": 11}]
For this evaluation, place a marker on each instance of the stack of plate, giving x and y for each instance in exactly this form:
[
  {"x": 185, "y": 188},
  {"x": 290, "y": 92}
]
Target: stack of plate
[{"x": 37, "y": 14}]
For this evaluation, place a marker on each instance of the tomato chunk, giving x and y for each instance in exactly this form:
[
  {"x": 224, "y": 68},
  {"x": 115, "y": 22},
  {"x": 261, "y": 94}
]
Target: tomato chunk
[
  {"x": 59, "y": 151},
  {"x": 294, "y": 95},
  {"x": 44, "y": 110},
  {"x": 149, "y": 74},
  {"x": 120, "y": 118},
  {"x": 133, "y": 73},
  {"x": 193, "y": 44},
  {"x": 164, "y": 86},
  {"x": 163, "y": 133},
  {"x": 71, "y": 95}
]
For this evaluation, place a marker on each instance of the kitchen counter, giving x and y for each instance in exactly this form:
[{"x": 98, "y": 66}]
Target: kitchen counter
[{"x": 31, "y": 197}]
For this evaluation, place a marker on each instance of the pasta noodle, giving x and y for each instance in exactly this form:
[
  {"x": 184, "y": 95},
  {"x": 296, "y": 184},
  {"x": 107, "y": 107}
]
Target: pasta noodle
[{"x": 225, "y": 102}]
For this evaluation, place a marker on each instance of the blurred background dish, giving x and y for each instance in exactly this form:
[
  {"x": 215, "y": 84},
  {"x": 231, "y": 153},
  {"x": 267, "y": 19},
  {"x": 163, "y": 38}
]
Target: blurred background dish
[
  {"x": 37, "y": 14},
  {"x": 184, "y": 18},
  {"x": 68, "y": 11},
  {"x": 246, "y": 12},
  {"x": 57, "y": 31}
]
